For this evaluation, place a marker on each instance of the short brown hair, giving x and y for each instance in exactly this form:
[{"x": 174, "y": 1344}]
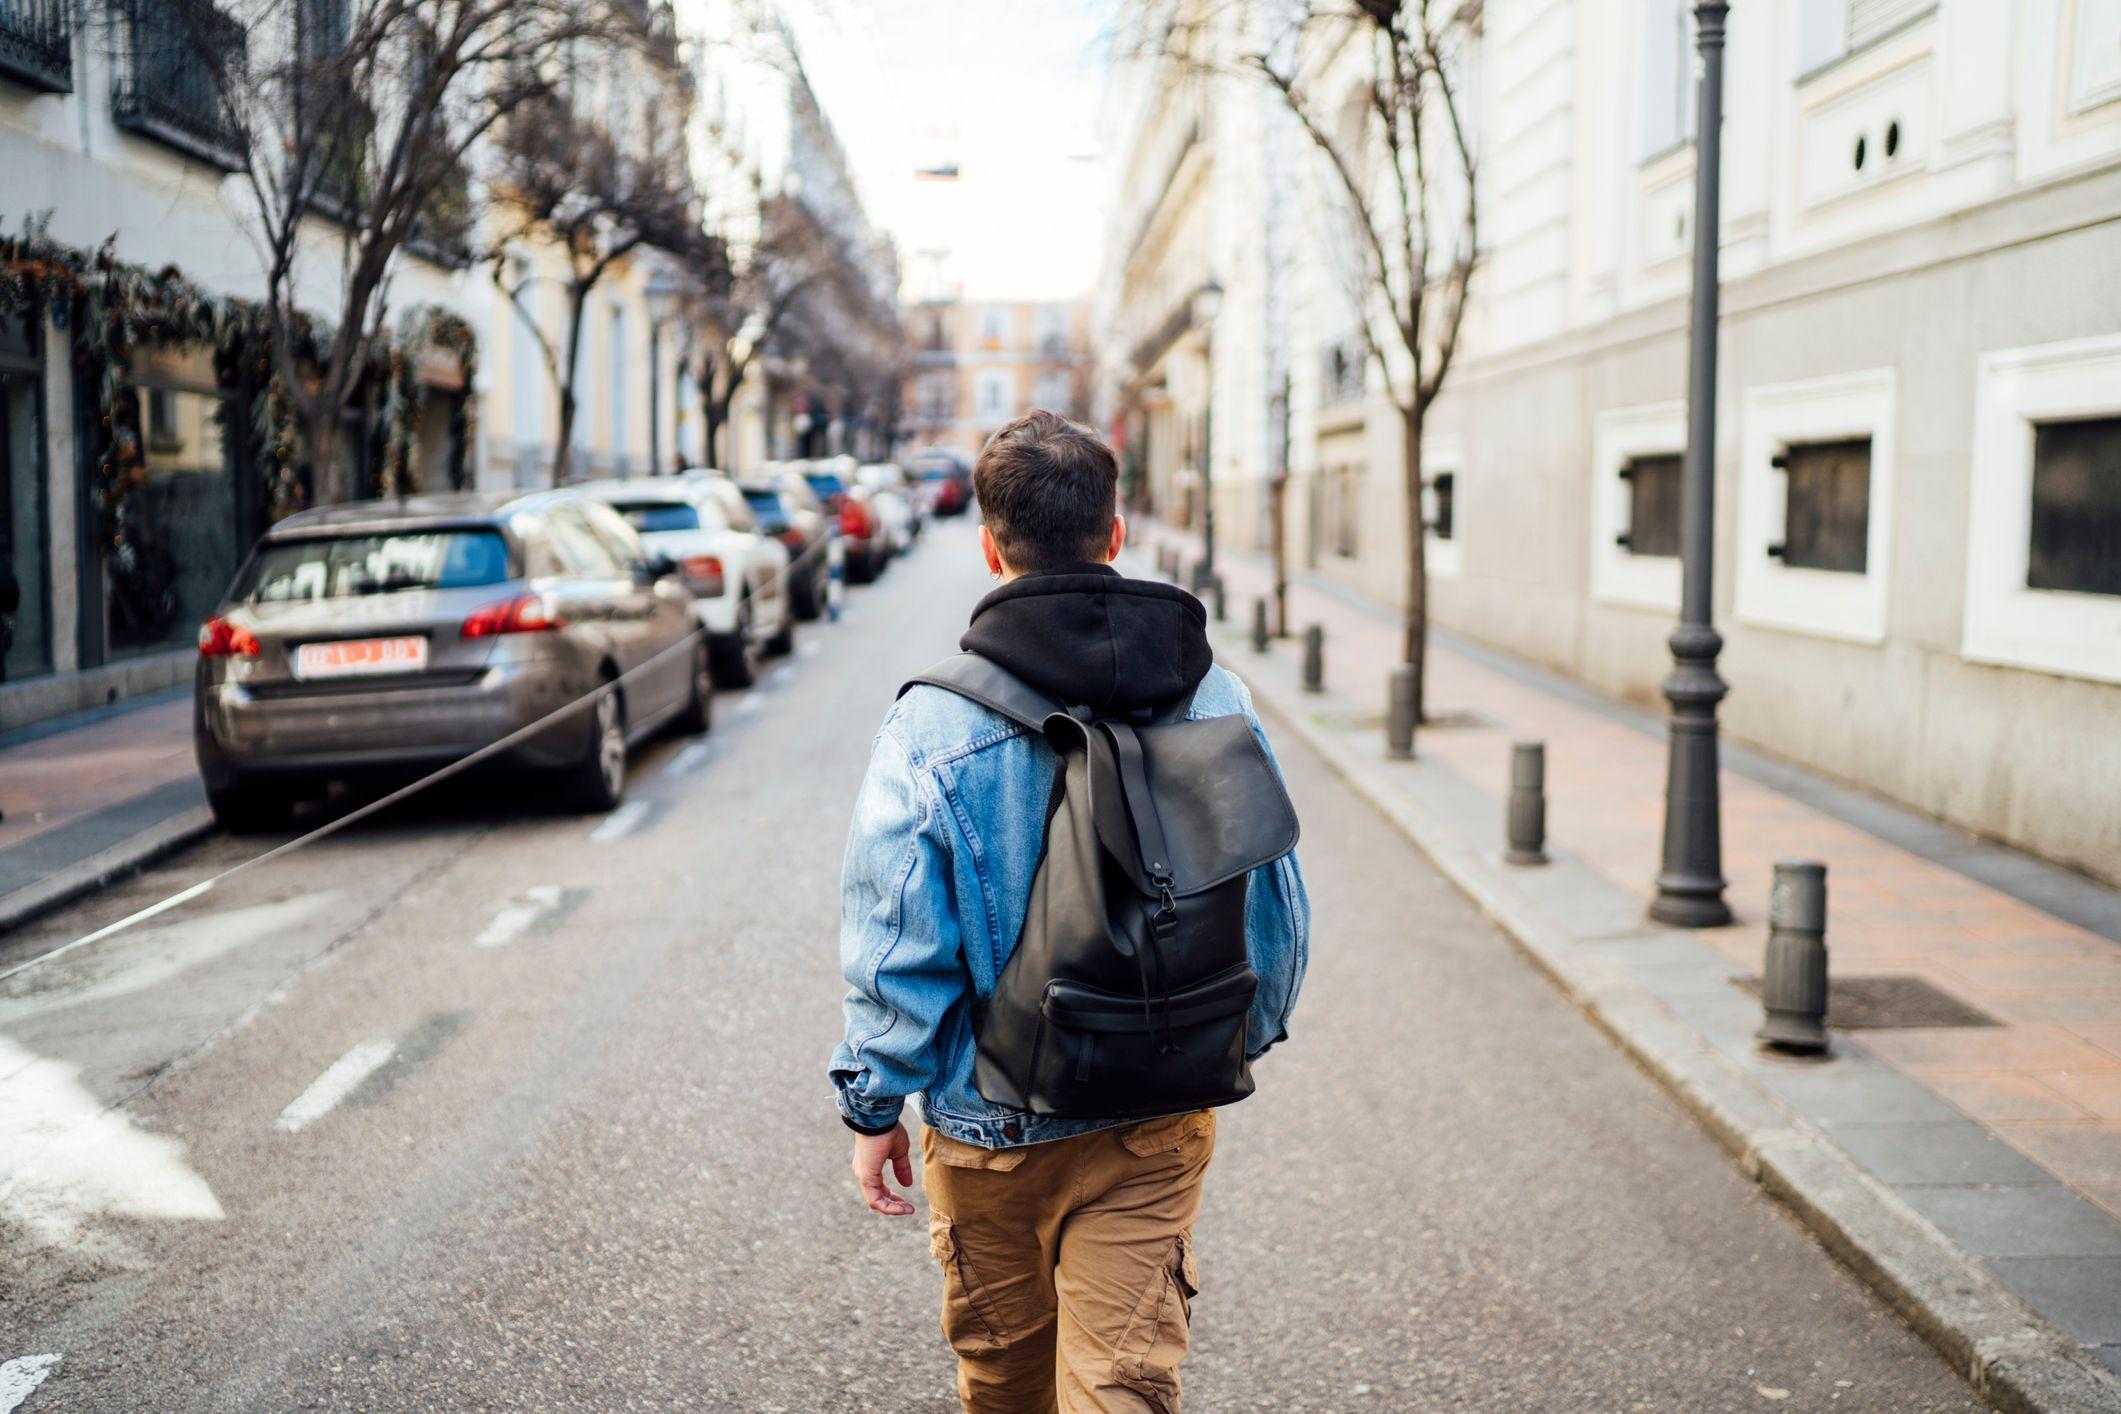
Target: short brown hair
[{"x": 1049, "y": 489}]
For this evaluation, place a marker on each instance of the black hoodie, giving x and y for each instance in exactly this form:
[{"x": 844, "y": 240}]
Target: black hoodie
[{"x": 1091, "y": 637}]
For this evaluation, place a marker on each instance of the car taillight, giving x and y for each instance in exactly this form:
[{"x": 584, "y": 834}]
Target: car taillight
[
  {"x": 854, "y": 519},
  {"x": 792, "y": 538},
  {"x": 526, "y": 613},
  {"x": 703, "y": 574},
  {"x": 218, "y": 638}
]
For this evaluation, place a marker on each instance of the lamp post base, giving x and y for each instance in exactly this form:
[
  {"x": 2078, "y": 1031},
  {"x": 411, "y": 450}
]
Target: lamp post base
[{"x": 1690, "y": 886}]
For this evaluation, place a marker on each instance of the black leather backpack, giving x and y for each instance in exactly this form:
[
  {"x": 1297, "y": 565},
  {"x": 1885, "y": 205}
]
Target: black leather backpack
[{"x": 1127, "y": 993}]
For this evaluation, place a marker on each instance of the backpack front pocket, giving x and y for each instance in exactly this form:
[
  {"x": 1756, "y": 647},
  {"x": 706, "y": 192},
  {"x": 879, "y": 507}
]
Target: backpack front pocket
[{"x": 1103, "y": 1053}]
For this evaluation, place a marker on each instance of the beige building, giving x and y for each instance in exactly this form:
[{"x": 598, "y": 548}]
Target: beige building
[
  {"x": 1918, "y": 539},
  {"x": 978, "y": 364}
]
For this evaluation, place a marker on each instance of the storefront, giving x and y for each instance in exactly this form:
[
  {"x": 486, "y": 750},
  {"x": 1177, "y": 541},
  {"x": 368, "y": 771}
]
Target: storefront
[
  {"x": 25, "y": 528},
  {"x": 165, "y": 555}
]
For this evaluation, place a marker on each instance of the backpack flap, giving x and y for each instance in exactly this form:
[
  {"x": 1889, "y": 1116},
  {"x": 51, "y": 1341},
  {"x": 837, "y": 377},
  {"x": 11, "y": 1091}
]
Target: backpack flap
[{"x": 1204, "y": 790}]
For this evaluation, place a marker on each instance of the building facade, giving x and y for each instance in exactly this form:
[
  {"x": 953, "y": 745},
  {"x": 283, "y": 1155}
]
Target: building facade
[
  {"x": 1918, "y": 466},
  {"x": 979, "y": 364}
]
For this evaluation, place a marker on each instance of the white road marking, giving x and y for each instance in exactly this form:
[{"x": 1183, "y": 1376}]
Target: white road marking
[
  {"x": 511, "y": 922},
  {"x": 689, "y": 760},
  {"x": 809, "y": 648},
  {"x": 335, "y": 1084},
  {"x": 780, "y": 677},
  {"x": 183, "y": 896},
  {"x": 65, "y": 1156},
  {"x": 19, "y": 1378},
  {"x": 620, "y": 822},
  {"x": 750, "y": 705}
]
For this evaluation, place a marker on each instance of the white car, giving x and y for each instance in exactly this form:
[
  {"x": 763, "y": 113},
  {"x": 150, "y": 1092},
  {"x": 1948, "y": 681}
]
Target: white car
[
  {"x": 738, "y": 576},
  {"x": 886, "y": 486}
]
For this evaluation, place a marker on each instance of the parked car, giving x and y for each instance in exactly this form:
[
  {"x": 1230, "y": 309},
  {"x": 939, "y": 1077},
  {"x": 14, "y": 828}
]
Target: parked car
[
  {"x": 790, "y": 512},
  {"x": 737, "y": 574},
  {"x": 945, "y": 482},
  {"x": 861, "y": 532},
  {"x": 380, "y": 635},
  {"x": 895, "y": 506}
]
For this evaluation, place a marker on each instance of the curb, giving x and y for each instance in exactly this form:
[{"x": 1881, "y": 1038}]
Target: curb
[
  {"x": 66, "y": 885},
  {"x": 2006, "y": 1351}
]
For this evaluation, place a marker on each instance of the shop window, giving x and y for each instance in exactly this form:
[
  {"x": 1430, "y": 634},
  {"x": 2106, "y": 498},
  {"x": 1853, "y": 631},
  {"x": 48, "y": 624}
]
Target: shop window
[
  {"x": 2076, "y": 523},
  {"x": 178, "y": 533},
  {"x": 25, "y": 625},
  {"x": 1653, "y": 505}
]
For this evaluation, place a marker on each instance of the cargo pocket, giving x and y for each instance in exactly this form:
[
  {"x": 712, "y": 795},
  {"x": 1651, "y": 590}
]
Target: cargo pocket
[
  {"x": 1168, "y": 1135},
  {"x": 1161, "y": 1330},
  {"x": 970, "y": 1321}
]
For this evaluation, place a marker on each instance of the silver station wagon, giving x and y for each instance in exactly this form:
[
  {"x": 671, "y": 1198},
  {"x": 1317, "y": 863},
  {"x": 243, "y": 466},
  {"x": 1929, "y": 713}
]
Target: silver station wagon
[{"x": 372, "y": 640}]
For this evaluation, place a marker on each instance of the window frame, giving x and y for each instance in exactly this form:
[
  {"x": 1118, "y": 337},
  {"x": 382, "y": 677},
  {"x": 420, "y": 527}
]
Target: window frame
[
  {"x": 1839, "y": 604},
  {"x": 2005, "y": 622},
  {"x": 1443, "y": 556}
]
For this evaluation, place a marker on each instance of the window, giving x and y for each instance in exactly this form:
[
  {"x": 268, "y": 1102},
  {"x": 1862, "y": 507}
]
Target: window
[
  {"x": 1815, "y": 481},
  {"x": 620, "y": 417},
  {"x": 2075, "y": 545},
  {"x": 583, "y": 552},
  {"x": 1828, "y": 29},
  {"x": 993, "y": 327},
  {"x": 2095, "y": 71},
  {"x": 1441, "y": 520},
  {"x": 349, "y": 566},
  {"x": 166, "y": 89},
  {"x": 1667, "y": 77},
  {"x": 1342, "y": 510},
  {"x": 938, "y": 397},
  {"x": 176, "y": 546},
  {"x": 1049, "y": 330},
  {"x": 1442, "y": 457},
  {"x": 1827, "y": 511},
  {"x": 652, "y": 517},
  {"x": 996, "y": 396},
  {"x": 2043, "y": 548},
  {"x": 37, "y": 43},
  {"x": 1054, "y": 391},
  {"x": 1653, "y": 505}
]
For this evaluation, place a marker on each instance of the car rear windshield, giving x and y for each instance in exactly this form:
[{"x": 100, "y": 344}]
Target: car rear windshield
[
  {"x": 766, "y": 505},
  {"x": 346, "y": 566},
  {"x": 937, "y": 471},
  {"x": 825, "y": 483},
  {"x": 647, "y": 517}
]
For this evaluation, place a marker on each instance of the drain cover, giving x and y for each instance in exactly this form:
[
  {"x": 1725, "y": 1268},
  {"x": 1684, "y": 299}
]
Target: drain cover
[{"x": 1888, "y": 1004}]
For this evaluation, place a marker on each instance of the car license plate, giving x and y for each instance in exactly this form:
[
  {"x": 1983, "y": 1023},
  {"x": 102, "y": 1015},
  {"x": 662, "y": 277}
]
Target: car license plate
[{"x": 356, "y": 657}]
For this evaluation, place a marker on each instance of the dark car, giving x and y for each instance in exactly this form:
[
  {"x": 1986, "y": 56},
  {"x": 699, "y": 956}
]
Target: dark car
[
  {"x": 790, "y": 511},
  {"x": 365, "y": 639},
  {"x": 944, "y": 480},
  {"x": 861, "y": 533}
]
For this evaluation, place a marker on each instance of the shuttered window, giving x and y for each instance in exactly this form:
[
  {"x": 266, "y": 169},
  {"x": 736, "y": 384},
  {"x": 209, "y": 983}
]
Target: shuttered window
[
  {"x": 2076, "y": 527},
  {"x": 1827, "y": 513}
]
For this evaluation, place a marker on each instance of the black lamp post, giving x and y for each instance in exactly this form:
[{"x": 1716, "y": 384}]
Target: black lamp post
[
  {"x": 1690, "y": 885},
  {"x": 1207, "y": 303}
]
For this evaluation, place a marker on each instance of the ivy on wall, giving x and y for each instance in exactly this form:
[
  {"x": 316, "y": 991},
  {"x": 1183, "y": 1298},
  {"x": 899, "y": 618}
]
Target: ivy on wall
[{"x": 113, "y": 309}]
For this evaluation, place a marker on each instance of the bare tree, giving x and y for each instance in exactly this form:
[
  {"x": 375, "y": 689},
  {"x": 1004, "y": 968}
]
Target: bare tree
[
  {"x": 352, "y": 123},
  {"x": 1406, "y": 170},
  {"x": 596, "y": 189}
]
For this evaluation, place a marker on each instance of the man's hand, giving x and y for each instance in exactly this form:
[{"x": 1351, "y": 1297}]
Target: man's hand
[{"x": 870, "y": 1152}]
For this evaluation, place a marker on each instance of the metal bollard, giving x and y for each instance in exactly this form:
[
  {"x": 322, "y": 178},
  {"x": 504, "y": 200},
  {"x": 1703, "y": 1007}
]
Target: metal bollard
[
  {"x": 1215, "y": 597},
  {"x": 1315, "y": 658},
  {"x": 1259, "y": 625},
  {"x": 1399, "y": 712},
  {"x": 1793, "y": 988},
  {"x": 1527, "y": 830},
  {"x": 835, "y": 578}
]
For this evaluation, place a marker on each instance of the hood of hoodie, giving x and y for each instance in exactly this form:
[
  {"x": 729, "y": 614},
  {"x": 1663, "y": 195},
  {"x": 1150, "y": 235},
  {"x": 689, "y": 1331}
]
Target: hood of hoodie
[{"x": 1087, "y": 635}]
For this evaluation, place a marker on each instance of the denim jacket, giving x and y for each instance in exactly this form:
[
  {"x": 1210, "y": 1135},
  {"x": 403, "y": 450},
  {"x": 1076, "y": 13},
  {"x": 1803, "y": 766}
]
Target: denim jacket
[{"x": 946, "y": 837}]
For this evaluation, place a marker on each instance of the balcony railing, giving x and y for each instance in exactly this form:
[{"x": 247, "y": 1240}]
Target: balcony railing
[
  {"x": 37, "y": 43},
  {"x": 1341, "y": 374},
  {"x": 167, "y": 88}
]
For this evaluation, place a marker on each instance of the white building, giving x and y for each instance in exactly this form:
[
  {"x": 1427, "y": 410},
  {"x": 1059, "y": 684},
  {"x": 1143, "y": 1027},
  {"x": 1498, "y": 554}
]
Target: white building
[
  {"x": 1918, "y": 542},
  {"x": 104, "y": 125}
]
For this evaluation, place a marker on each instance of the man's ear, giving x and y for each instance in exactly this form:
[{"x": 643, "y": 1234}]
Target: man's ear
[
  {"x": 991, "y": 551},
  {"x": 1119, "y": 538}
]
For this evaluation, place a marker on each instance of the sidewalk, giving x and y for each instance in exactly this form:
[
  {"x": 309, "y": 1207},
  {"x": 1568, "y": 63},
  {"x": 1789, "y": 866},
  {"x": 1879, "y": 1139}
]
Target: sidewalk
[
  {"x": 2003, "y": 1135},
  {"x": 92, "y": 796}
]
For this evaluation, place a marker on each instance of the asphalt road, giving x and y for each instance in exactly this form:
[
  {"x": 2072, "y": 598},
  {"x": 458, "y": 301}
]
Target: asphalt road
[{"x": 485, "y": 1106}]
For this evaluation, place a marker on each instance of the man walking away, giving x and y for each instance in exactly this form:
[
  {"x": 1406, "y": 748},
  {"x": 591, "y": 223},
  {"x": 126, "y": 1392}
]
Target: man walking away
[{"x": 1038, "y": 945}]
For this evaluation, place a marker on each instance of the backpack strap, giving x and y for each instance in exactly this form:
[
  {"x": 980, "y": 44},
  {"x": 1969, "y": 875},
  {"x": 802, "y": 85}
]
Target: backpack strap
[{"x": 992, "y": 686}]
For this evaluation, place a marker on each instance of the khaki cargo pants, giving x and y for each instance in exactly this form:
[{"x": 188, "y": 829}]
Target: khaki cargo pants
[{"x": 1068, "y": 1266}]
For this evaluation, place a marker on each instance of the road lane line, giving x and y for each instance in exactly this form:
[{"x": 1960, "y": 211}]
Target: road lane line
[
  {"x": 780, "y": 677},
  {"x": 511, "y": 922},
  {"x": 750, "y": 705},
  {"x": 689, "y": 760},
  {"x": 809, "y": 648},
  {"x": 19, "y": 1378},
  {"x": 621, "y": 822},
  {"x": 335, "y": 1084}
]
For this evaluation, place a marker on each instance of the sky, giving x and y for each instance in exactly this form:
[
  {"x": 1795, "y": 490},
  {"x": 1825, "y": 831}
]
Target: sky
[{"x": 1008, "y": 91}]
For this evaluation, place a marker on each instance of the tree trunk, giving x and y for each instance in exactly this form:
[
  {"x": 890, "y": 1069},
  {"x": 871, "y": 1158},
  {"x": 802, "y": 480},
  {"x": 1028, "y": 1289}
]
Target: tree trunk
[
  {"x": 563, "y": 454},
  {"x": 1414, "y": 650},
  {"x": 320, "y": 428}
]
